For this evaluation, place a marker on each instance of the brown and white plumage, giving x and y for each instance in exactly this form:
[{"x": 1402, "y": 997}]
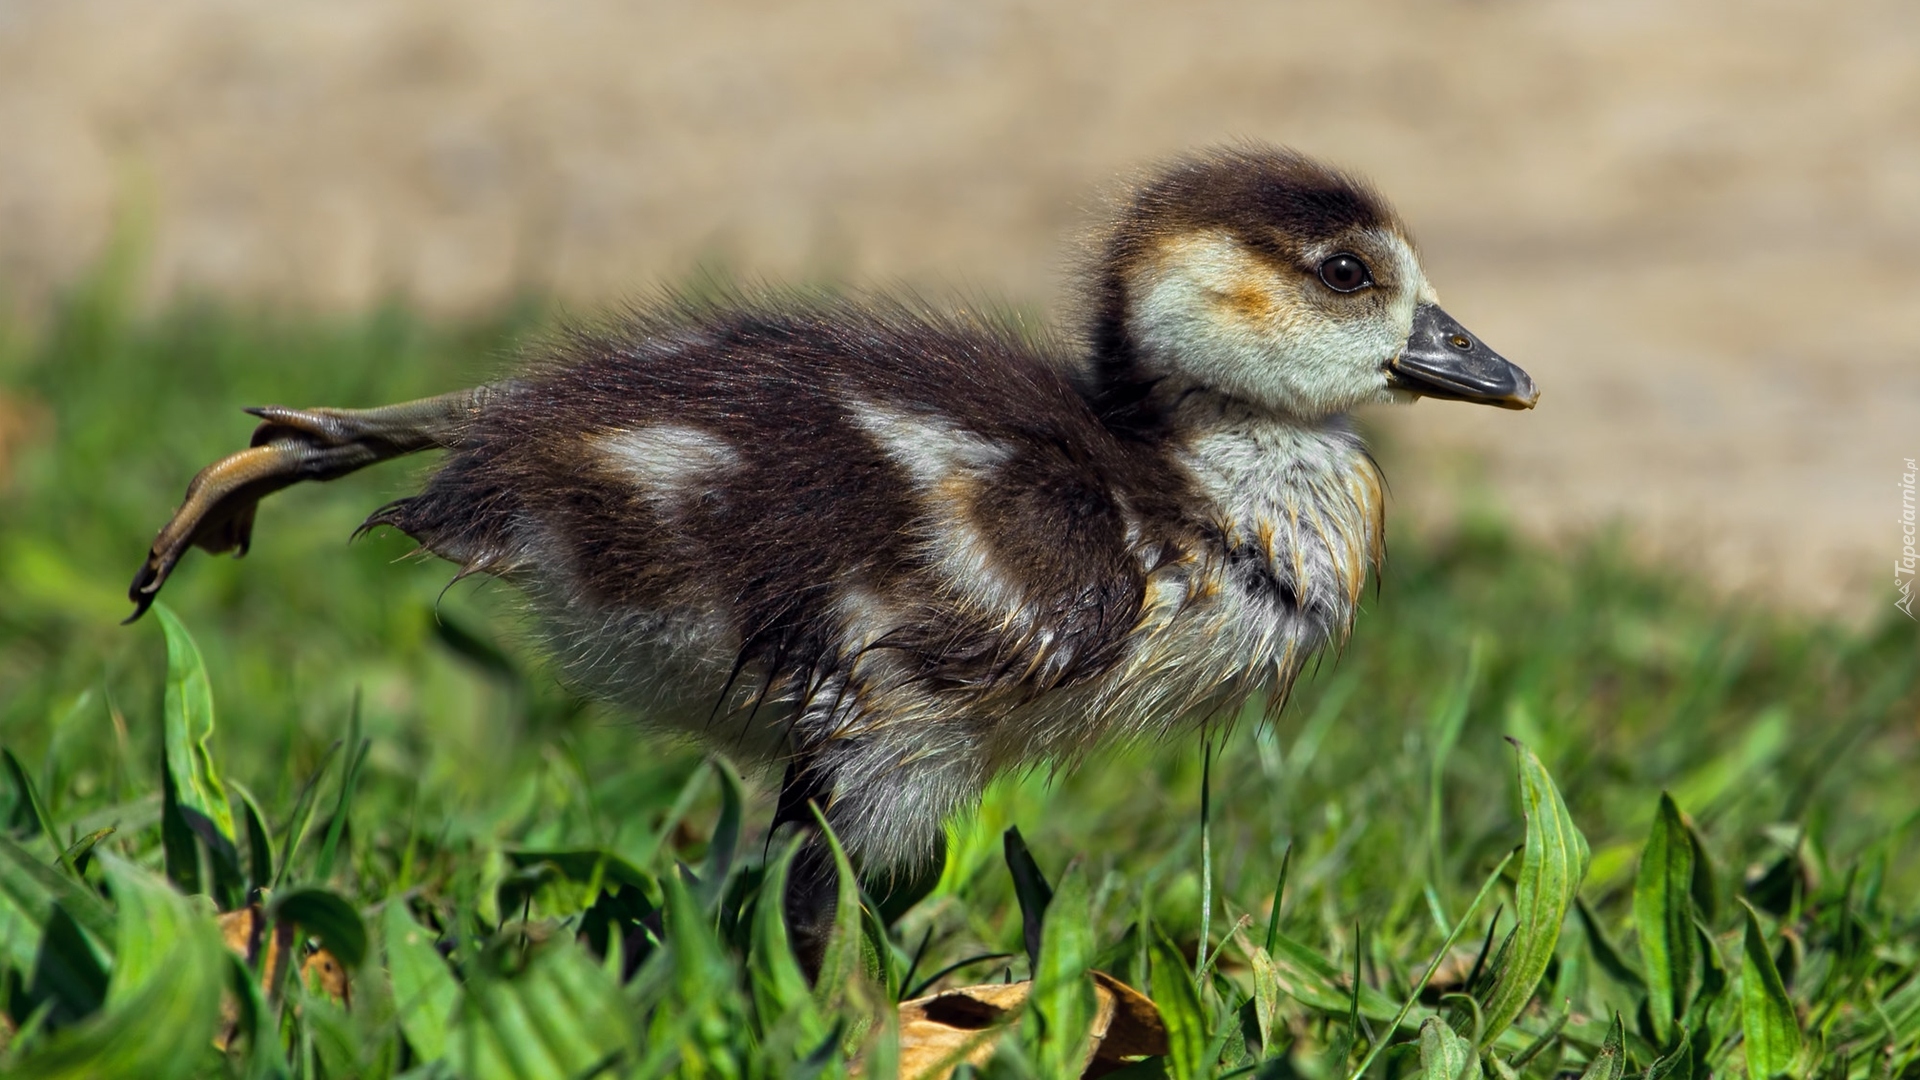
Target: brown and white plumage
[{"x": 900, "y": 551}]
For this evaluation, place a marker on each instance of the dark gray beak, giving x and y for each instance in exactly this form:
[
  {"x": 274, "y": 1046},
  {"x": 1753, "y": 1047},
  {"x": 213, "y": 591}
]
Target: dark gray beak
[{"x": 1442, "y": 360}]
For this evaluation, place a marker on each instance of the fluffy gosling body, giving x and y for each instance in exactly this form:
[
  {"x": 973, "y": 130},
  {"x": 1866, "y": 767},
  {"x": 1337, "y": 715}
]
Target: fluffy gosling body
[{"x": 895, "y": 553}]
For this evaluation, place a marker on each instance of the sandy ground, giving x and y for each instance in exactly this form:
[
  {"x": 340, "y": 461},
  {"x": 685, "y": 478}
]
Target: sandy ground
[{"x": 1696, "y": 223}]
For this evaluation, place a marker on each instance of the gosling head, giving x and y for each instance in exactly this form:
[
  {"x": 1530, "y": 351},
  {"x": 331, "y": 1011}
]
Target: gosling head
[{"x": 1259, "y": 274}]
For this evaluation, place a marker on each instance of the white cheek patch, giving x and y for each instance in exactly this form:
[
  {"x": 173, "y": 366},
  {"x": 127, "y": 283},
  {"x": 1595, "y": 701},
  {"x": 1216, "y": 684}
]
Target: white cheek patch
[
  {"x": 948, "y": 466},
  {"x": 1185, "y": 316},
  {"x": 1209, "y": 308},
  {"x": 667, "y": 461}
]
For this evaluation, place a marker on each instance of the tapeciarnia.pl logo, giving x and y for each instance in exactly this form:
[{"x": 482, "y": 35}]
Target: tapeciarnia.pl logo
[{"x": 1903, "y": 567}]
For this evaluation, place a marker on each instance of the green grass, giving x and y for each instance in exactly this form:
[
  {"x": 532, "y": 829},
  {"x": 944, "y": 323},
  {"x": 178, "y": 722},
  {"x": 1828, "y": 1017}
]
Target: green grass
[{"x": 484, "y": 849}]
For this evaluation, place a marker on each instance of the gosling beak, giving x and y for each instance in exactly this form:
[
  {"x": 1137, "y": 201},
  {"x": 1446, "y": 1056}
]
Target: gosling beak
[{"x": 1442, "y": 360}]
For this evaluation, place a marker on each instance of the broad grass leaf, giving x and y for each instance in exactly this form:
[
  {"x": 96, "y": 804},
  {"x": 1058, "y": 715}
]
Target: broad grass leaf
[
  {"x": 178, "y": 846},
  {"x": 559, "y": 1017},
  {"x": 327, "y": 916},
  {"x": 424, "y": 991},
  {"x": 188, "y": 726},
  {"x": 644, "y": 852},
  {"x": 194, "y": 804},
  {"x": 1552, "y": 864},
  {"x": 881, "y": 1061},
  {"x": 1444, "y": 1055},
  {"x": 1767, "y": 1019},
  {"x": 1663, "y": 913},
  {"x": 1062, "y": 1003},
  {"x": 163, "y": 998},
  {"x": 1610, "y": 1061},
  {"x": 1179, "y": 1002}
]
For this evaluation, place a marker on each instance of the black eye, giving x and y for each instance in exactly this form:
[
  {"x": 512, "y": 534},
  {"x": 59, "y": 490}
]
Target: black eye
[{"x": 1344, "y": 273}]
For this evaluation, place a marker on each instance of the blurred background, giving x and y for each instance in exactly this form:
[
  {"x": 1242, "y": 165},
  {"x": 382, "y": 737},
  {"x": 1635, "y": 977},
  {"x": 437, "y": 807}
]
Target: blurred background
[{"x": 1695, "y": 223}]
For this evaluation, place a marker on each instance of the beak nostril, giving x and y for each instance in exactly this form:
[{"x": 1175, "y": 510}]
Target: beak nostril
[{"x": 1461, "y": 342}]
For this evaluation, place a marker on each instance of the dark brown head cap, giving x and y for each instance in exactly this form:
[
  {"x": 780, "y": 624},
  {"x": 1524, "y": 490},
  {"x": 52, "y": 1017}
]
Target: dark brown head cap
[{"x": 1265, "y": 195}]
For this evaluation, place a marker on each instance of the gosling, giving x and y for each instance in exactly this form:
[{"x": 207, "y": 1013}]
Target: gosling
[{"x": 897, "y": 552}]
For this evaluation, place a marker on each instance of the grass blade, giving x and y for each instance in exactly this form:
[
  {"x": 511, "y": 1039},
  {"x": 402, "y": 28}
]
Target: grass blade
[
  {"x": 779, "y": 986},
  {"x": 357, "y": 748},
  {"x": 1676, "y": 1064},
  {"x": 1443, "y": 733},
  {"x": 31, "y": 799},
  {"x": 1605, "y": 953},
  {"x": 725, "y": 841},
  {"x": 840, "y": 964},
  {"x": 1439, "y": 955},
  {"x": 1266, "y": 994},
  {"x": 1767, "y": 1019},
  {"x": 260, "y": 855},
  {"x": 1031, "y": 889},
  {"x": 302, "y": 815},
  {"x": 1062, "y": 999},
  {"x": 1179, "y": 1001},
  {"x": 1610, "y": 1061},
  {"x": 1279, "y": 896},
  {"x": 1206, "y": 862},
  {"x": 1310, "y": 979}
]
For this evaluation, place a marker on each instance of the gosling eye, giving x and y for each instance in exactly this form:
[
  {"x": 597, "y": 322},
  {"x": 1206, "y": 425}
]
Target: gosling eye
[{"x": 1345, "y": 273}]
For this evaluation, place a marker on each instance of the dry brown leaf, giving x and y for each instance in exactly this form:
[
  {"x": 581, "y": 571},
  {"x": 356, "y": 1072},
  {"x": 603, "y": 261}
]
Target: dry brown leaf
[
  {"x": 248, "y": 934},
  {"x": 964, "y": 1024}
]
